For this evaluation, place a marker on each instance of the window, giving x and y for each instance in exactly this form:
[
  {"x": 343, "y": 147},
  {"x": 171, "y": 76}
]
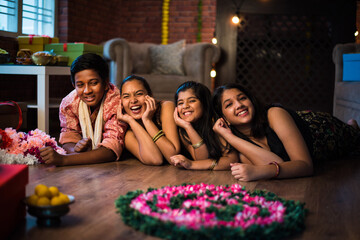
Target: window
[{"x": 19, "y": 17}]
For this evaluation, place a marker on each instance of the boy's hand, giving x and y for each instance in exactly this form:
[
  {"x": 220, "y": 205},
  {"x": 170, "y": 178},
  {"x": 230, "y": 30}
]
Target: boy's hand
[
  {"x": 51, "y": 157},
  {"x": 84, "y": 145}
]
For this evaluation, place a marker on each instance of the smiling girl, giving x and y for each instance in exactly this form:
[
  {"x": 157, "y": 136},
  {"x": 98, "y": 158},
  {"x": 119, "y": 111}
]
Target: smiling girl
[
  {"x": 195, "y": 118},
  {"x": 90, "y": 130},
  {"x": 152, "y": 132},
  {"x": 275, "y": 142}
]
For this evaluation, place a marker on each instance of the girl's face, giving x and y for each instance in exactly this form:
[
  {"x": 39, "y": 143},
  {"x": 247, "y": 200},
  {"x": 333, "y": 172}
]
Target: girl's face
[
  {"x": 237, "y": 107},
  {"x": 189, "y": 106},
  {"x": 90, "y": 87},
  {"x": 133, "y": 98}
]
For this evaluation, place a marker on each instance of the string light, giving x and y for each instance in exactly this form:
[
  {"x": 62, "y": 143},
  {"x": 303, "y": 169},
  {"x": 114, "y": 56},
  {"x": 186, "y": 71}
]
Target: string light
[
  {"x": 213, "y": 73},
  {"x": 214, "y": 39},
  {"x": 235, "y": 19}
]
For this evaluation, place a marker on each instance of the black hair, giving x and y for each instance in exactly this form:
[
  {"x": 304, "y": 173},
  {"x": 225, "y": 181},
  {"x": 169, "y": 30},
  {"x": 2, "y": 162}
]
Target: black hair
[
  {"x": 140, "y": 79},
  {"x": 259, "y": 122},
  {"x": 90, "y": 61},
  {"x": 204, "y": 125}
]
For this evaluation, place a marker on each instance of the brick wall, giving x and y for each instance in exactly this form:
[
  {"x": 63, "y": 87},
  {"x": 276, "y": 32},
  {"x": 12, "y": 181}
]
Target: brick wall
[{"x": 135, "y": 20}]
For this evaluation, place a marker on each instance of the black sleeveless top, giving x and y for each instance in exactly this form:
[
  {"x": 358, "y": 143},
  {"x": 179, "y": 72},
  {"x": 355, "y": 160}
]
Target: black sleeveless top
[{"x": 275, "y": 144}]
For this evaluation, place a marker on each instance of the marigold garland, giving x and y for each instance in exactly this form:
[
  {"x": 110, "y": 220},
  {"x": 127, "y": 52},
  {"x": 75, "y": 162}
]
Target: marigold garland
[
  {"x": 165, "y": 22},
  {"x": 201, "y": 211}
]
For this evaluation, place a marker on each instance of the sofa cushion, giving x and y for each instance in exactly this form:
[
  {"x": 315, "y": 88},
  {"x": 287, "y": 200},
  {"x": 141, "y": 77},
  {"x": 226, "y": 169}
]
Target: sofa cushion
[
  {"x": 165, "y": 86},
  {"x": 141, "y": 62},
  {"x": 168, "y": 59}
]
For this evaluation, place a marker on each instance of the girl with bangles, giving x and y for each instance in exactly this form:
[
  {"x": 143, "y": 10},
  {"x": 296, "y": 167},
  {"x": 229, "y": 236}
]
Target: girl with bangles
[
  {"x": 152, "y": 132},
  {"x": 276, "y": 142},
  {"x": 195, "y": 119}
]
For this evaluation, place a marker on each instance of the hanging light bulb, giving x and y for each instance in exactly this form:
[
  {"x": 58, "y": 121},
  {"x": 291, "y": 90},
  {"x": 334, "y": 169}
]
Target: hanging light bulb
[
  {"x": 214, "y": 39},
  {"x": 235, "y": 19},
  {"x": 356, "y": 33},
  {"x": 213, "y": 73}
]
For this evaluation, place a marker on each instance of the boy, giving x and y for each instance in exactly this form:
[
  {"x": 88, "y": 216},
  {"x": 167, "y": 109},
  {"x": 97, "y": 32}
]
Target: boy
[{"x": 90, "y": 130}]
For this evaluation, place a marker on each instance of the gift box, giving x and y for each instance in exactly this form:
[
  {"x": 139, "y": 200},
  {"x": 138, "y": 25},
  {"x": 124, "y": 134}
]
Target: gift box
[
  {"x": 351, "y": 67},
  {"x": 73, "y": 50},
  {"x": 35, "y": 43},
  {"x": 13, "y": 180}
]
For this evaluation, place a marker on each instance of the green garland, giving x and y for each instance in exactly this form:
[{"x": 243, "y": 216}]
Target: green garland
[
  {"x": 199, "y": 25},
  {"x": 293, "y": 223}
]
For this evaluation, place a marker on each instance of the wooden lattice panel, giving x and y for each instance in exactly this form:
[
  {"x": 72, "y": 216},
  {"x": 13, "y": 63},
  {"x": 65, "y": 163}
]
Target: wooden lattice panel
[{"x": 287, "y": 59}]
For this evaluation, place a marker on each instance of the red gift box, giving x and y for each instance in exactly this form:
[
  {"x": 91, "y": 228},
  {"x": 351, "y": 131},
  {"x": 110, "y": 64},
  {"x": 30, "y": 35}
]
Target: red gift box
[{"x": 13, "y": 180}]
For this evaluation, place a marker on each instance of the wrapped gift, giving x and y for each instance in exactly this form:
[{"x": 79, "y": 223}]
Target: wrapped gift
[
  {"x": 13, "y": 180},
  {"x": 73, "y": 50},
  {"x": 351, "y": 67},
  {"x": 35, "y": 43}
]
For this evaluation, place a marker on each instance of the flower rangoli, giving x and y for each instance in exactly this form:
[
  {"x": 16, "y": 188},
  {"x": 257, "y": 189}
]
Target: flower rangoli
[{"x": 200, "y": 211}]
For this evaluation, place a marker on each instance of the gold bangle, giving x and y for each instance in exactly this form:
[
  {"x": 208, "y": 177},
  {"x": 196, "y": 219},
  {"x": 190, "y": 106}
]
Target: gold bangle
[
  {"x": 157, "y": 135},
  {"x": 213, "y": 164},
  {"x": 277, "y": 168},
  {"x": 197, "y": 145}
]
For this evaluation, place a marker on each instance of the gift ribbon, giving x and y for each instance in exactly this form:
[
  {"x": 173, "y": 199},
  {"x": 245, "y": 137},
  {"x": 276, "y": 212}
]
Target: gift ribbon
[
  {"x": 14, "y": 104},
  {"x": 31, "y": 36}
]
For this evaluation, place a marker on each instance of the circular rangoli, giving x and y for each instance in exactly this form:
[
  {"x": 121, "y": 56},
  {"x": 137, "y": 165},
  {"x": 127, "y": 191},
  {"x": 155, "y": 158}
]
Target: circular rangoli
[{"x": 202, "y": 211}]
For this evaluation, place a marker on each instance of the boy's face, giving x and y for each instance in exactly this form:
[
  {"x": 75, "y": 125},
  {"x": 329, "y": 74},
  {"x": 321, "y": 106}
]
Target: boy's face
[{"x": 90, "y": 87}]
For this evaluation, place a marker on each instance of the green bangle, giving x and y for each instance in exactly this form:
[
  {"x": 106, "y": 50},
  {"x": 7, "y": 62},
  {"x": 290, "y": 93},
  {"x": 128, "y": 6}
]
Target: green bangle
[
  {"x": 197, "y": 145},
  {"x": 157, "y": 135}
]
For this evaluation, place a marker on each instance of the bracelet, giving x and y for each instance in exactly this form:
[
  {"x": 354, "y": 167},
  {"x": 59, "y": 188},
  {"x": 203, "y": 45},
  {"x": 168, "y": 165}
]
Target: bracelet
[
  {"x": 277, "y": 168},
  {"x": 197, "y": 145},
  {"x": 158, "y": 135},
  {"x": 213, "y": 164}
]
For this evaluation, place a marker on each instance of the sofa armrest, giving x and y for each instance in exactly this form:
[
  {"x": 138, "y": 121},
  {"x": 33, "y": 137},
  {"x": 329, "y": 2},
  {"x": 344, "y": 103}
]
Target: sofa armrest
[
  {"x": 337, "y": 56},
  {"x": 198, "y": 60},
  {"x": 117, "y": 53}
]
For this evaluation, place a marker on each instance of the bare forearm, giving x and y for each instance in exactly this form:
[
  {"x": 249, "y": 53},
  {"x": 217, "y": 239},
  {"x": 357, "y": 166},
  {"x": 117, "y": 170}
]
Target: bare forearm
[
  {"x": 69, "y": 147},
  {"x": 165, "y": 146},
  {"x": 256, "y": 155},
  {"x": 200, "y": 152},
  {"x": 99, "y": 155},
  {"x": 147, "y": 151}
]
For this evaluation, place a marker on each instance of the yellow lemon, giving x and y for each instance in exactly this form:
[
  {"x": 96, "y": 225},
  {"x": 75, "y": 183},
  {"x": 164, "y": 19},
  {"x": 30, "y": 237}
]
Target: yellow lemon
[
  {"x": 33, "y": 199},
  {"x": 43, "y": 201},
  {"x": 54, "y": 191},
  {"x": 64, "y": 198},
  {"x": 56, "y": 201},
  {"x": 42, "y": 191}
]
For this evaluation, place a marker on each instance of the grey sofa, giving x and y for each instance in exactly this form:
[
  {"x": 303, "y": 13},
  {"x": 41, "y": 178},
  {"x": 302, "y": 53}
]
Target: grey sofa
[
  {"x": 127, "y": 58},
  {"x": 346, "y": 94}
]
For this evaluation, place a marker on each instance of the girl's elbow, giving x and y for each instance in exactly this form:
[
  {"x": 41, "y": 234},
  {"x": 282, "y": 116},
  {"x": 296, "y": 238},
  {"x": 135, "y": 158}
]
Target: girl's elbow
[{"x": 153, "y": 161}]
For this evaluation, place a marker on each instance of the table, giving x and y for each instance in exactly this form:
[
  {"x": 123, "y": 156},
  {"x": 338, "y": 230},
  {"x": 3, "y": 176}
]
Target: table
[
  {"x": 42, "y": 73},
  {"x": 332, "y": 197}
]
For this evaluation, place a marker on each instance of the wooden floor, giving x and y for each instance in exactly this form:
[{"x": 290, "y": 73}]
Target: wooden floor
[{"x": 332, "y": 197}]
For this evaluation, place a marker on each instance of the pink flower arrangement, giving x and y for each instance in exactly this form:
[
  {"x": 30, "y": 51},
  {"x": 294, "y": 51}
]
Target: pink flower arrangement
[{"x": 21, "y": 143}]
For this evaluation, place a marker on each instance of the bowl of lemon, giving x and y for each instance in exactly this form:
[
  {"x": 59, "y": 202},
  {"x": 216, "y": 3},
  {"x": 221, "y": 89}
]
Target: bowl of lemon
[{"x": 48, "y": 205}]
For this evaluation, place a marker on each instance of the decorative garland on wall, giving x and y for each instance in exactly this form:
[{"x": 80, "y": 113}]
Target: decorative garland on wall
[
  {"x": 199, "y": 23},
  {"x": 165, "y": 22},
  {"x": 202, "y": 211}
]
